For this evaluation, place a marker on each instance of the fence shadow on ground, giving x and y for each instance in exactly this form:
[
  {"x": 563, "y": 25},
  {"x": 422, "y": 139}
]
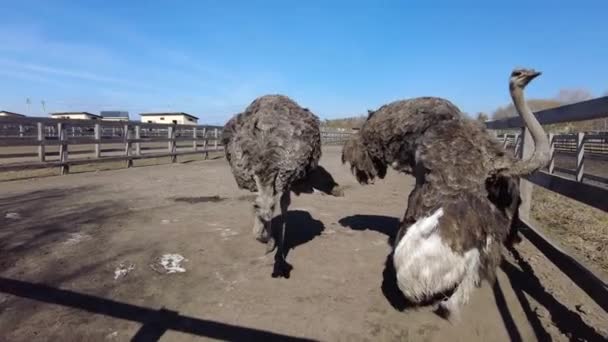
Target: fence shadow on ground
[
  {"x": 154, "y": 322},
  {"x": 524, "y": 280},
  {"x": 33, "y": 221}
]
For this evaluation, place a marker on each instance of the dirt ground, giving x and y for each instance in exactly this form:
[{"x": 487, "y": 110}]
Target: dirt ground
[{"x": 80, "y": 262}]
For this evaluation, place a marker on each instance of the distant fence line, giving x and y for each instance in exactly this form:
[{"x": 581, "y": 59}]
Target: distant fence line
[
  {"x": 131, "y": 135},
  {"x": 110, "y": 141}
]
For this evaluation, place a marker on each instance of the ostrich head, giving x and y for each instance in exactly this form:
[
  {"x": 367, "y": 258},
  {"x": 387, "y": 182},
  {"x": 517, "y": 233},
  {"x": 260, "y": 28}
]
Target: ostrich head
[
  {"x": 518, "y": 81},
  {"x": 265, "y": 202},
  {"x": 361, "y": 164},
  {"x": 521, "y": 77},
  {"x": 264, "y": 206}
]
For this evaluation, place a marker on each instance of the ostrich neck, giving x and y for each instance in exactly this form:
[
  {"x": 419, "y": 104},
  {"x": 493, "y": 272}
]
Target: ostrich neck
[{"x": 540, "y": 157}]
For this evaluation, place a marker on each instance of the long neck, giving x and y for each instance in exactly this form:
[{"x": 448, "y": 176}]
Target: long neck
[{"x": 541, "y": 155}]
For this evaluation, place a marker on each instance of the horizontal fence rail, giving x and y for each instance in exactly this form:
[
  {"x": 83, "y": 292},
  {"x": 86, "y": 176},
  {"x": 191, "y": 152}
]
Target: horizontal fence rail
[
  {"x": 106, "y": 141},
  {"x": 66, "y": 142}
]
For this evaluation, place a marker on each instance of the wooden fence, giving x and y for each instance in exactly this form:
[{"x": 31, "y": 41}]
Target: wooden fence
[
  {"x": 127, "y": 141},
  {"x": 582, "y": 146},
  {"x": 76, "y": 142}
]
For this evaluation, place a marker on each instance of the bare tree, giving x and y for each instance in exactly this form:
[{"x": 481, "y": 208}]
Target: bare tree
[
  {"x": 567, "y": 96},
  {"x": 482, "y": 117}
]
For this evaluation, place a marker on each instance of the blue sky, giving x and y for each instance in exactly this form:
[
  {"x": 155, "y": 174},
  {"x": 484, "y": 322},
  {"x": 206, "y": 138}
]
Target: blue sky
[{"x": 339, "y": 58}]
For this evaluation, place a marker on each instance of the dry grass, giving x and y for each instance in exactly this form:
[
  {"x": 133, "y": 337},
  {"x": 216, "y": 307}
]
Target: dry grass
[{"x": 580, "y": 228}]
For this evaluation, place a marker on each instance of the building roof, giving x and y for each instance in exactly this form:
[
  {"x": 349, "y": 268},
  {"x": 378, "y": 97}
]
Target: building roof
[
  {"x": 11, "y": 113},
  {"x": 169, "y": 114},
  {"x": 114, "y": 114},
  {"x": 75, "y": 113}
]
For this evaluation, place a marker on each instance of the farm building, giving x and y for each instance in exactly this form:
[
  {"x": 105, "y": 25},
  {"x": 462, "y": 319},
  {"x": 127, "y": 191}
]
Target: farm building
[
  {"x": 179, "y": 118},
  {"x": 114, "y": 115},
  {"x": 75, "y": 115},
  {"x": 11, "y": 114}
]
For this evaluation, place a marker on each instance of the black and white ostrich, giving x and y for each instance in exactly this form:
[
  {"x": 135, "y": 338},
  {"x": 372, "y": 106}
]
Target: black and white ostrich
[
  {"x": 274, "y": 147},
  {"x": 466, "y": 198}
]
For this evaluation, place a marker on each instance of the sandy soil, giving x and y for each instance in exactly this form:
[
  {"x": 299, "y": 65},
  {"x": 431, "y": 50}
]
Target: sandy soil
[{"x": 80, "y": 262}]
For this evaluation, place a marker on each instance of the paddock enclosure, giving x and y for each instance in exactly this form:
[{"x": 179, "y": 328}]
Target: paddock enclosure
[
  {"x": 70, "y": 235},
  {"x": 166, "y": 252}
]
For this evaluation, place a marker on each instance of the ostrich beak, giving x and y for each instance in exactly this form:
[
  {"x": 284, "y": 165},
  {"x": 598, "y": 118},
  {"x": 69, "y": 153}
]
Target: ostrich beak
[{"x": 534, "y": 74}]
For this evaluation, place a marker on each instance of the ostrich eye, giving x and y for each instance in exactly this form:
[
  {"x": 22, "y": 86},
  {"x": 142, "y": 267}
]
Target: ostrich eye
[
  {"x": 256, "y": 206},
  {"x": 516, "y": 73}
]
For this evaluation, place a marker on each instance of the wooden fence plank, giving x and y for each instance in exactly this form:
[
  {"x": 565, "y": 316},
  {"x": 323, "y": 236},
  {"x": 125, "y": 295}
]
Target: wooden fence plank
[
  {"x": 586, "y": 110},
  {"x": 137, "y": 137},
  {"x": 194, "y": 141},
  {"x": 41, "y": 148},
  {"x": 551, "y": 152},
  {"x": 580, "y": 156},
  {"x": 63, "y": 149},
  {"x": 98, "y": 139},
  {"x": 127, "y": 135}
]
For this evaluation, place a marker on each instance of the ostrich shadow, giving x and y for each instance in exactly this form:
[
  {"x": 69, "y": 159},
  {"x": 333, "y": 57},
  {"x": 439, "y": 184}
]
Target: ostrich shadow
[
  {"x": 300, "y": 228},
  {"x": 388, "y": 226}
]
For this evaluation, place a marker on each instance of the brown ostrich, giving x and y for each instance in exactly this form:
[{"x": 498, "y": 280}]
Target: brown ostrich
[
  {"x": 466, "y": 198},
  {"x": 273, "y": 148}
]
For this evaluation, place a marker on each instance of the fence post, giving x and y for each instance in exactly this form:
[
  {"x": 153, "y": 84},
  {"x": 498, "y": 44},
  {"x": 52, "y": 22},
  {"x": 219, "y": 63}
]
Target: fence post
[
  {"x": 97, "y": 140},
  {"x": 63, "y": 149},
  {"x": 21, "y": 131},
  {"x": 551, "y": 153},
  {"x": 518, "y": 142},
  {"x": 215, "y": 135},
  {"x": 505, "y": 141},
  {"x": 41, "y": 151},
  {"x": 580, "y": 156},
  {"x": 205, "y": 143},
  {"x": 525, "y": 187},
  {"x": 171, "y": 144},
  {"x": 138, "y": 137},
  {"x": 194, "y": 138},
  {"x": 127, "y": 137}
]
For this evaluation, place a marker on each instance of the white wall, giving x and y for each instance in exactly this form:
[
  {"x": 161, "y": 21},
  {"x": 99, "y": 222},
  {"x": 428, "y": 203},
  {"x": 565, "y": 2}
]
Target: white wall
[{"x": 168, "y": 119}]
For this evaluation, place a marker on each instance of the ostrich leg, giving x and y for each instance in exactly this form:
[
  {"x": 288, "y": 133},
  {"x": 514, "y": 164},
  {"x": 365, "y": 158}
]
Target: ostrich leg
[{"x": 281, "y": 267}]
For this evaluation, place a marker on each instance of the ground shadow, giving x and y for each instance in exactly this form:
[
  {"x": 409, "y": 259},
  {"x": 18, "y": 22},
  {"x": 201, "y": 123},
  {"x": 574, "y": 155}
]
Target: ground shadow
[
  {"x": 386, "y": 225},
  {"x": 389, "y": 287},
  {"x": 199, "y": 199},
  {"x": 318, "y": 179},
  {"x": 300, "y": 228},
  {"x": 523, "y": 279},
  {"x": 154, "y": 322},
  {"x": 505, "y": 313},
  {"x": 31, "y": 222}
]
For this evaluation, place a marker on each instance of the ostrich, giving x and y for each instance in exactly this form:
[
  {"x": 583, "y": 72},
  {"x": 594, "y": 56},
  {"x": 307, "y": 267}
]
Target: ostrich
[
  {"x": 274, "y": 147},
  {"x": 466, "y": 198}
]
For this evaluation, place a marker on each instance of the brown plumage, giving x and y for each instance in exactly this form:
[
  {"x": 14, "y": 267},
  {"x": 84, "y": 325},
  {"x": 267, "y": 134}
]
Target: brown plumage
[
  {"x": 274, "y": 147},
  {"x": 466, "y": 189}
]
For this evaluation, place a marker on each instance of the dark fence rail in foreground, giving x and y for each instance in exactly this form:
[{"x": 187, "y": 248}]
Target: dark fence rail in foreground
[{"x": 583, "y": 146}]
